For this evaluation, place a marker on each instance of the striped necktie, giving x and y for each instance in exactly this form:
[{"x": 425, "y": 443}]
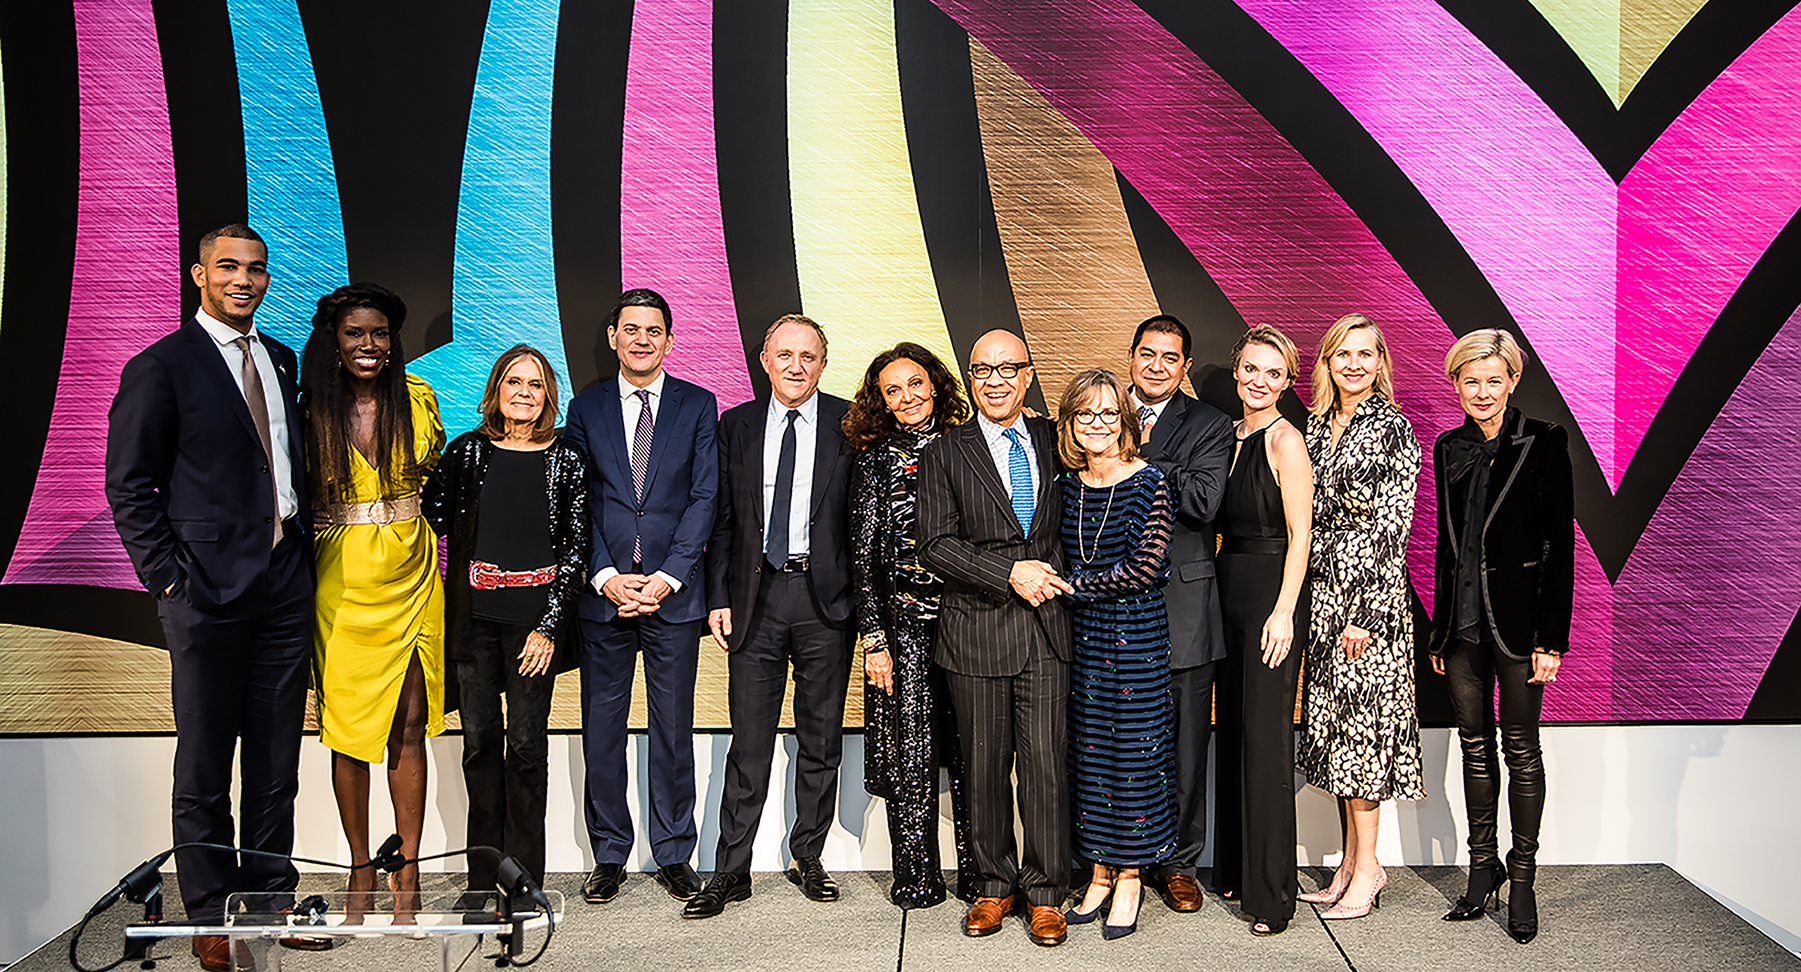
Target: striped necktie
[
  {"x": 641, "y": 439},
  {"x": 1019, "y": 471}
]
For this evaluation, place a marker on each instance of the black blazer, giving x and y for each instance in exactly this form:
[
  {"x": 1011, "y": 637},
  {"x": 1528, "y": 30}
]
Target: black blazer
[
  {"x": 1528, "y": 538},
  {"x": 735, "y": 553},
  {"x": 452, "y": 505},
  {"x": 969, "y": 536},
  {"x": 1192, "y": 442},
  {"x": 186, "y": 475}
]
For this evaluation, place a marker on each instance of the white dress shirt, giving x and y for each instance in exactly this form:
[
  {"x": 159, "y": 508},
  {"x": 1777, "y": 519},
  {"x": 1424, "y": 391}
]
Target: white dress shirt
[
  {"x": 629, "y": 407},
  {"x": 286, "y": 500},
  {"x": 999, "y": 447},
  {"x": 806, "y": 443}
]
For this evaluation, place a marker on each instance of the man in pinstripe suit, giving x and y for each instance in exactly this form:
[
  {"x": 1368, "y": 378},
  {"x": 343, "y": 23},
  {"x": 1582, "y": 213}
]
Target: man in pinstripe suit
[{"x": 990, "y": 516}]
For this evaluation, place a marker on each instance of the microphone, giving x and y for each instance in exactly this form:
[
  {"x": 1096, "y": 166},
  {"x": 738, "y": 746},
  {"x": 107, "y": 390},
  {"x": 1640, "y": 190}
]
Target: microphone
[
  {"x": 144, "y": 880},
  {"x": 513, "y": 878},
  {"x": 388, "y": 857}
]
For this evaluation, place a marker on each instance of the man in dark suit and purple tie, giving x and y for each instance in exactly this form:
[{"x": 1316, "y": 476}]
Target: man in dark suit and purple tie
[
  {"x": 990, "y": 519},
  {"x": 206, "y": 481},
  {"x": 779, "y": 580},
  {"x": 653, "y": 472},
  {"x": 1192, "y": 441}
]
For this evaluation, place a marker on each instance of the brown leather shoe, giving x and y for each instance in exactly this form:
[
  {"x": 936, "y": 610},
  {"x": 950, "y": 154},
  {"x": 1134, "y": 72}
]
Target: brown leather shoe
[
  {"x": 1045, "y": 925},
  {"x": 1182, "y": 893},
  {"x": 214, "y": 953},
  {"x": 985, "y": 916},
  {"x": 307, "y": 943}
]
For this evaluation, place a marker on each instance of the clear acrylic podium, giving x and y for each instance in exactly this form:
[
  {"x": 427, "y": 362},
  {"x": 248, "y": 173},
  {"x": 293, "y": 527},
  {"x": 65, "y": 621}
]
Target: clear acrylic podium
[{"x": 366, "y": 921}]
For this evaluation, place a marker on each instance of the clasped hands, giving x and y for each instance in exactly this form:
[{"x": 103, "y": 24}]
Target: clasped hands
[
  {"x": 635, "y": 594},
  {"x": 1037, "y": 581}
]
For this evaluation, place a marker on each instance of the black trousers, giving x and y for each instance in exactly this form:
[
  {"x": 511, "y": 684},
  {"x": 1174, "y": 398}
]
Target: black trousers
[
  {"x": 785, "y": 628},
  {"x": 1192, "y": 691},
  {"x": 1475, "y": 671},
  {"x": 239, "y": 676},
  {"x": 506, "y": 766},
  {"x": 1017, "y": 722},
  {"x": 1255, "y": 815}
]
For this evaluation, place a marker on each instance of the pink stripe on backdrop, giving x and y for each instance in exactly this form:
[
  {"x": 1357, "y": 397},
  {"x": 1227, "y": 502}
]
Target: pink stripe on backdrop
[
  {"x": 126, "y": 291},
  {"x": 1584, "y": 689},
  {"x": 1524, "y": 196},
  {"x": 1615, "y": 286},
  {"x": 671, "y": 236},
  {"x": 1715, "y": 581},
  {"x": 1281, "y": 244},
  {"x": 1699, "y": 210}
]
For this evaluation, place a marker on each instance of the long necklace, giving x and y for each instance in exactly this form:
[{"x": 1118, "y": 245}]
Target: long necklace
[{"x": 1082, "y": 514}]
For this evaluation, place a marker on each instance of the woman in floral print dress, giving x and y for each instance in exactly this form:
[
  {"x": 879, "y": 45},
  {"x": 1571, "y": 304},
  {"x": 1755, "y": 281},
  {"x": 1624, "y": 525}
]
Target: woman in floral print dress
[{"x": 1361, "y": 741}]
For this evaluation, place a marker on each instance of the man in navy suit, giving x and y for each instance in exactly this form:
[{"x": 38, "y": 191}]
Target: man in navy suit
[
  {"x": 779, "y": 588},
  {"x": 653, "y": 474},
  {"x": 1192, "y": 441},
  {"x": 206, "y": 480}
]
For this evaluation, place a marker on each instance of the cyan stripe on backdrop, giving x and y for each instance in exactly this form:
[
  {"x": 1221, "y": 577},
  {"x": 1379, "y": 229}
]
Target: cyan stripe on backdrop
[
  {"x": 288, "y": 171},
  {"x": 503, "y": 290}
]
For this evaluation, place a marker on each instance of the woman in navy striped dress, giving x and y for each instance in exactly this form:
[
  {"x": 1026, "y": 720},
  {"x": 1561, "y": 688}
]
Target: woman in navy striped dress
[{"x": 1116, "y": 523}]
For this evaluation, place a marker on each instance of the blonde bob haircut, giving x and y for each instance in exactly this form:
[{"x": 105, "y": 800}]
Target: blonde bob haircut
[
  {"x": 1325, "y": 390},
  {"x": 494, "y": 424},
  {"x": 1076, "y": 397},
  {"x": 1273, "y": 339},
  {"x": 1487, "y": 343}
]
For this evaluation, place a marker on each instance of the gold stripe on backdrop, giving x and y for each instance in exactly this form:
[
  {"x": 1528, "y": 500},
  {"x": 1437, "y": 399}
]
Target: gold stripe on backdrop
[
  {"x": 1077, "y": 276},
  {"x": 58, "y": 682},
  {"x": 859, "y": 248}
]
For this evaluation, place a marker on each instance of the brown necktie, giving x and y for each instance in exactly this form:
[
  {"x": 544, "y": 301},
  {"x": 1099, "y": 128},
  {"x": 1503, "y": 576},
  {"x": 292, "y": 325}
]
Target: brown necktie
[{"x": 259, "y": 416}]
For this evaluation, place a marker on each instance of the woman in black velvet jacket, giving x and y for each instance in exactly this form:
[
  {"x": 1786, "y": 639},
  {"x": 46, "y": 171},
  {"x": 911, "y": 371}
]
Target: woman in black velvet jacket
[
  {"x": 1502, "y": 601},
  {"x": 512, "y": 499}
]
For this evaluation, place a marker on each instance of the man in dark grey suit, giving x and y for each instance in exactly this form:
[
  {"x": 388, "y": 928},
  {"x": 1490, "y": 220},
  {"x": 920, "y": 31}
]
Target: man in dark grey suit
[
  {"x": 1192, "y": 442},
  {"x": 779, "y": 592},
  {"x": 989, "y": 523}
]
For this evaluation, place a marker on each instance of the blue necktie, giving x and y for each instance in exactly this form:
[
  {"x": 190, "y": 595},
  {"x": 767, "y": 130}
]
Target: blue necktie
[{"x": 1019, "y": 470}]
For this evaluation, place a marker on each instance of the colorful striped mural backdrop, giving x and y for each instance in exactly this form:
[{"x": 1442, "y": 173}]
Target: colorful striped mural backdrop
[{"x": 1618, "y": 274}]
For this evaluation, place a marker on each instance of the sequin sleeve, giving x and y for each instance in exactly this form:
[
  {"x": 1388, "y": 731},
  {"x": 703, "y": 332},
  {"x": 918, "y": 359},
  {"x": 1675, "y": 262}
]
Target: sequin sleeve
[{"x": 868, "y": 522}]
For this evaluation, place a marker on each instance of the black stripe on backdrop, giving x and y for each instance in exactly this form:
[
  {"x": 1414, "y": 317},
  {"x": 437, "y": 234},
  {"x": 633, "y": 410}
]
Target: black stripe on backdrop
[
  {"x": 395, "y": 88},
  {"x": 950, "y": 176},
  {"x": 750, "y": 106},
  {"x": 37, "y": 43},
  {"x": 587, "y": 122},
  {"x": 200, "y": 76},
  {"x": 1521, "y": 37}
]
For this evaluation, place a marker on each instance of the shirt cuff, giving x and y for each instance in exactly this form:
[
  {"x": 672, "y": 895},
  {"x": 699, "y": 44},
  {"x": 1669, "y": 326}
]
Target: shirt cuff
[
  {"x": 601, "y": 577},
  {"x": 675, "y": 586}
]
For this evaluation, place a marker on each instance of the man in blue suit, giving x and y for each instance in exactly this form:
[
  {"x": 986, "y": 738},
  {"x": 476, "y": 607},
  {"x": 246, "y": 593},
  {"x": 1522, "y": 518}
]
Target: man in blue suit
[
  {"x": 206, "y": 481},
  {"x": 653, "y": 475}
]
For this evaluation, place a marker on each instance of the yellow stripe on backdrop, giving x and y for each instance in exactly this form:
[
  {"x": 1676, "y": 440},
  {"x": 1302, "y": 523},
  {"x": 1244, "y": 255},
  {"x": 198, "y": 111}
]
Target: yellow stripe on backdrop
[
  {"x": 1077, "y": 275},
  {"x": 858, "y": 246}
]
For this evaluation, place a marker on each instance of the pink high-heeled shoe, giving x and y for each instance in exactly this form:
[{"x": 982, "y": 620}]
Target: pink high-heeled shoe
[
  {"x": 1344, "y": 909},
  {"x": 1330, "y": 894}
]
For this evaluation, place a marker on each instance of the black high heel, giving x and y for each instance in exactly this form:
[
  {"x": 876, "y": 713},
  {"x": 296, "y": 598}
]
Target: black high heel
[
  {"x": 1522, "y": 911},
  {"x": 1482, "y": 896},
  {"x": 1110, "y": 931},
  {"x": 1075, "y": 916}
]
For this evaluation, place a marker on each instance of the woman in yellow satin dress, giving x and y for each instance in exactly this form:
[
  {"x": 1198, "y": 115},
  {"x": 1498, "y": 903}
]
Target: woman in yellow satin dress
[{"x": 373, "y": 437}]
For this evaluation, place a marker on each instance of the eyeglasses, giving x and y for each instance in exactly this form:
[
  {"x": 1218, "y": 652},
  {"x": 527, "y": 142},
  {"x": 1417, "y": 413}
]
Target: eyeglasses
[
  {"x": 1006, "y": 369},
  {"x": 1106, "y": 416}
]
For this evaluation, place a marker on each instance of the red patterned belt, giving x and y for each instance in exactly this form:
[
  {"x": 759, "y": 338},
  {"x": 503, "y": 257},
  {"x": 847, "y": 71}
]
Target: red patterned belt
[{"x": 486, "y": 576}]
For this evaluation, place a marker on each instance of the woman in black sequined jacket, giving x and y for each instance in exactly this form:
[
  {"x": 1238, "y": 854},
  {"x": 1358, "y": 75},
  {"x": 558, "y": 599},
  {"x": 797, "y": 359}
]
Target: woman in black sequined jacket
[
  {"x": 907, "y": 398},
  {"x": 510, "y": 628}
]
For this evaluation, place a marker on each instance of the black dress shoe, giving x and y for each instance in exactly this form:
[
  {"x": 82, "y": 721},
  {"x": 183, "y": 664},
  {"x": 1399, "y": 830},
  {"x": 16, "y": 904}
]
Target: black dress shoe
[
  {"x": 1483, "y": 895},
  {"x": 810, "y": 877},
  {"x": 679, "y": 880},
  {"x": 1522, "y": 911},
  {"x": 723, "y": 889},
  {"x": 602, "y": 884}
]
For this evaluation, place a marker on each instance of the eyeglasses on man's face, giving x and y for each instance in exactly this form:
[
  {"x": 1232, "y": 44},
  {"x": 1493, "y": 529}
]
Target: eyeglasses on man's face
[{"x": 1006, "y": 369}]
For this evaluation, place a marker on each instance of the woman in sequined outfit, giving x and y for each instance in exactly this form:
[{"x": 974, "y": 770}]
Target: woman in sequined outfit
[
  {"x": 908, "y": 397},
  {"x": 511, "y": 498},
  {"x": 1122, "y": 735},
  {"x": 1361, "y": 742}
]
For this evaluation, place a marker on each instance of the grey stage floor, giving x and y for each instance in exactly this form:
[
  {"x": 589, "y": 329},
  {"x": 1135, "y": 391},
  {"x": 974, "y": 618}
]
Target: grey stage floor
[{"x": 1592, "y": 917}]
